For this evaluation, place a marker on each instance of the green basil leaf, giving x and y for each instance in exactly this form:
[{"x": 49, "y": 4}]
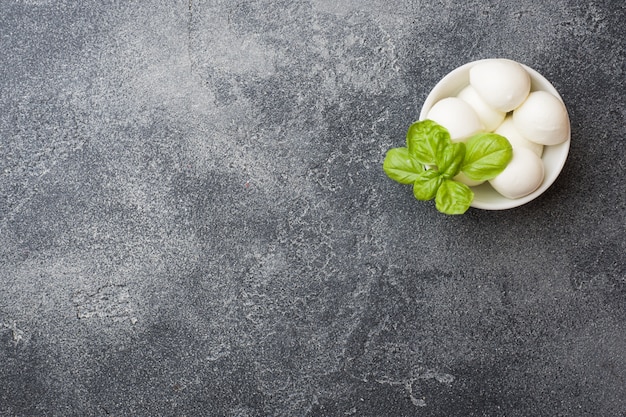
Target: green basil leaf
[
  {"x": 449, "y": 160},
  {"x": 453, "y": 197},
  {"x": 425, "y": 139},
  {"x": 401, "y": 166},
  {"x": 426, "y": 185},
  {"x": 486, "y": 156}
]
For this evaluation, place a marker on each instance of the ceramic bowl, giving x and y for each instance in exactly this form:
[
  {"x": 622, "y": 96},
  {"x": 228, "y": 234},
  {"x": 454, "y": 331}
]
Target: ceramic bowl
[{"x": 485, "y": 197}]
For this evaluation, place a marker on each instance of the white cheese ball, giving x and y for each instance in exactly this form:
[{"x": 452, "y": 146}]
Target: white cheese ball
[
  {"x": 522, "y": 176},
  {"x": 502, "y": 83},
  {"x": 543, "y": 119},
  {"x": 488, "y": 116},
  {"x": 517, "y": 140},
  {"x": 457, "y": 116},
  {"x": 461, "y": 177}
]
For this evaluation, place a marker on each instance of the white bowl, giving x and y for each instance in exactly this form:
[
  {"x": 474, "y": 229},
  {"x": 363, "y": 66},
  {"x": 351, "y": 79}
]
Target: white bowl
[{"x": 485, "y": 197}]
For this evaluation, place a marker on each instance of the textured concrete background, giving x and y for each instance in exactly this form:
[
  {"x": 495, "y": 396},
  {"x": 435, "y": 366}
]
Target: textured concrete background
[{"x": 194, "y": 219}]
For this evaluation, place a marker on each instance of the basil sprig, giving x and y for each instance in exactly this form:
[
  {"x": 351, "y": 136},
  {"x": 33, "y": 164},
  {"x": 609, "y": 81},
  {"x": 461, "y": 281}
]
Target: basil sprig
[
  {"x": 487, "y": 155},
  {"x": 431, "y": 160}
]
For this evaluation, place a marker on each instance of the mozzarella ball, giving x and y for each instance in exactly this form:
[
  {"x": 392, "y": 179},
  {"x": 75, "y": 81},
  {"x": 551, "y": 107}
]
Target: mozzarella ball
[
  {"x": 502, "y": 83},
  {"x": 522, "y": 176},
  {"x": 457, "y": 116},
  {"x": 509, "y": 131},
  {"x": 461, "y": 177},
  {"x": 543, "y": 119},
  {"x": 488, "y": 116}
]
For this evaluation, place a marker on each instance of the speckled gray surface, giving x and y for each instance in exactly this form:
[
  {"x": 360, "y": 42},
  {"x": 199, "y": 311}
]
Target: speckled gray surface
[{"x": 194, "y": 220}]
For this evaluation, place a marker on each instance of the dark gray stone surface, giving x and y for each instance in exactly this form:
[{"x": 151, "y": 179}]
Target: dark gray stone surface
[{"x": 194, "y": 220}]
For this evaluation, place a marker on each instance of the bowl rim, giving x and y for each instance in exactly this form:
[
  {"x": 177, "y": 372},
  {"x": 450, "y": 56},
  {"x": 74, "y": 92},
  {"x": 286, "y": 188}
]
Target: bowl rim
[{"x": 538, "y": 82}]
